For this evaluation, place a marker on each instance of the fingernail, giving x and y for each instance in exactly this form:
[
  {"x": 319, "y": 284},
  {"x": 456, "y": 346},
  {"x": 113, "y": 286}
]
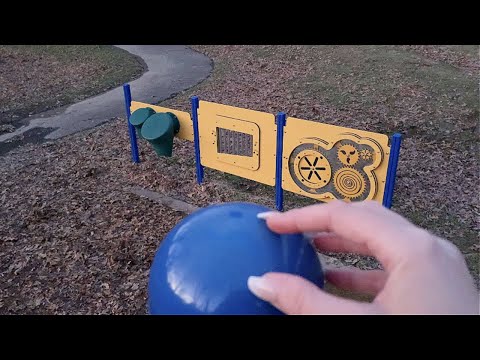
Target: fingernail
[
  {"x": 260, "y": 288},
  {"x": 264, "y": 215}
]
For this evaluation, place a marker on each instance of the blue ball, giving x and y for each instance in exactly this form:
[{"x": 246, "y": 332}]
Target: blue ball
[{"x": 203, "y": 264}]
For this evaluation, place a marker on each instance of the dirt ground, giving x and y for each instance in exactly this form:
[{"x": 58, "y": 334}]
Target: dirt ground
[
  {"x": 75, "y": 240},
  {"x": 36, "y": 78}
]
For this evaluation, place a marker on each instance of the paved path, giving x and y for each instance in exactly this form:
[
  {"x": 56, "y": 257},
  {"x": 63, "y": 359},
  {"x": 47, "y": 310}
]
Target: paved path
[{"x": 171, "y": 69}]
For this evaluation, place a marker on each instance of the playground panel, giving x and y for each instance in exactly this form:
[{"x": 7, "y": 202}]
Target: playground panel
[
  {"x": 327, "y": 162},
  {"x": 238, "y": 141},
  {"x": 320, "y": 161}
]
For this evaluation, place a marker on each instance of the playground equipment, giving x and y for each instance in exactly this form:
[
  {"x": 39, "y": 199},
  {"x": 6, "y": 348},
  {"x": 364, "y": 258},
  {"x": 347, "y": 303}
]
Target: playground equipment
[
  {"x": 317, "y": 160},
  {"x": 203, "y": 268}
]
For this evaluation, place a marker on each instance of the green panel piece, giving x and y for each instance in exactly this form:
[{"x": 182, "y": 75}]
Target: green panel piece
[
  {"x": 138, "y": 118},
  {"x": 176, "y": 123},
  {"x": 160, "y": 129}
]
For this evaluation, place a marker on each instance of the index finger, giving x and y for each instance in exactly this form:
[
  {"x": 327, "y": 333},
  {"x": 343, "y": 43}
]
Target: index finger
[{"x": 386, "y": 235}]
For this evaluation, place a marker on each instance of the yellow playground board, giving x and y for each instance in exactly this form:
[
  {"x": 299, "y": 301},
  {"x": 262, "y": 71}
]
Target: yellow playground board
[
  {"x": 327, "y": 162},
  {"x": 238, "y": 141},
  {"x": 321, "y": 161}
]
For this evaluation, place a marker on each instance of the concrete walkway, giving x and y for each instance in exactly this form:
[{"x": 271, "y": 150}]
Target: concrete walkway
[{"x": 171, "y": 69}]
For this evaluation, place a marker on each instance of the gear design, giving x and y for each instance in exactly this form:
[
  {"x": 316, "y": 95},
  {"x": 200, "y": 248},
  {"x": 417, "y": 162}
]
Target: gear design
[
  {"x": 365, "y": 154},
  {"x": 349, "y": 182},
  {"x": 348, "y": 155},
  {"x": 310, "y": 168},
  {"x": 313, "y": 169}
]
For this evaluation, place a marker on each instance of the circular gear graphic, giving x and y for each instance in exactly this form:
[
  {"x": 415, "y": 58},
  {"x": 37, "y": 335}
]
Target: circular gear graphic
[
  {"x": 309, "y": 168},
  {"x": 312, "y": 168},
  {"x": 348, "y": 155},
  {"x": 349, "y": 182},
  {"x": 365, "y": 154}
]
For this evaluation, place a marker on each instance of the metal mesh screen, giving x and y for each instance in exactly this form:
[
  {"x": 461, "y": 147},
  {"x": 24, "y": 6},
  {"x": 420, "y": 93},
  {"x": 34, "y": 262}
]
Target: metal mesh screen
[{"x": 234, "y": 142}]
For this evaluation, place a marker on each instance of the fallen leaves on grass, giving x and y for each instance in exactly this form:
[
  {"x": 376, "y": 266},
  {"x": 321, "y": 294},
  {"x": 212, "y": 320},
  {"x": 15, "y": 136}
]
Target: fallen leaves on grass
[
  {"x": 35, "y": 79},
  {"x": 74, "y": 241}
]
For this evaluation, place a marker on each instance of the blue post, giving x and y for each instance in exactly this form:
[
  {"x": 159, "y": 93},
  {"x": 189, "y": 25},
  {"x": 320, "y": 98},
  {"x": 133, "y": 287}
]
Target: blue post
[
  {"x": 392, "y": 170},
  {"x": 196, "y": 139},
  {"x": 133, "y": 135},
  {"x": 281, "y": 122}
]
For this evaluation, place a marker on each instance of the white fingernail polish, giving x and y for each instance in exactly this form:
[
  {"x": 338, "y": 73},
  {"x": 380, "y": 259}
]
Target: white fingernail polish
[
  {"x": 260, "y": 288},
  {"x": 264, "y": 215}
]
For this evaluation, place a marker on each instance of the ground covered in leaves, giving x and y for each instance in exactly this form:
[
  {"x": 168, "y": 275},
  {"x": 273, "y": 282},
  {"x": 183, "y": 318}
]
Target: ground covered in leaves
[
  {"x": 74, "y": 239},
  {"x": 35, "y": 78}
]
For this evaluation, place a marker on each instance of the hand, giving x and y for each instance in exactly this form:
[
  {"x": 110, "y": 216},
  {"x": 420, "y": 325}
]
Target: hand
[{"x": 423, "y": 274}]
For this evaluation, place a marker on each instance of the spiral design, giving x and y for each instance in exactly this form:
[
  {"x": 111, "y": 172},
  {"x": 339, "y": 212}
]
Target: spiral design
[{"x": 349, "y": 182}]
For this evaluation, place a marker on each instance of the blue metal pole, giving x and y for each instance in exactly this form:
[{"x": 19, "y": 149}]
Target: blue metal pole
[
  {"x": 196, "y": 139},
  {"x": 389, "y": 175},
  {"x": 392, "y": 170},
  {"x": 281, "y": 122},
  {"x": 133, "y": 135}
]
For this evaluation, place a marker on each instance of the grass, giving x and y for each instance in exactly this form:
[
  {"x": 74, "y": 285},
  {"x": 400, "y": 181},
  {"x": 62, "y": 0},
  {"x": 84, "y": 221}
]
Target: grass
[
  {"x": 52, "y": 76},
  {"x": 389, "y": 76},
  {"x": 372, "y": 75},
  {"x": 471, "y": 50},
  {"x": 450, "y": 226}
]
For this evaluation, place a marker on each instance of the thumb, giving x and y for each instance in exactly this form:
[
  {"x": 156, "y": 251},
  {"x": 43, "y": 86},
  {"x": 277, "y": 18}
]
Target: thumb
[{"x": 293, "y": 294}]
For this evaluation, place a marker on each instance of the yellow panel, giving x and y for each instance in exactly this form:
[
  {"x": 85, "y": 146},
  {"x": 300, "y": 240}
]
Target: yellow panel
[
  {"x": 212, "y": 116},
  {"x": 186, "y": 124},
  {"x": 327, "y": 162}
]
